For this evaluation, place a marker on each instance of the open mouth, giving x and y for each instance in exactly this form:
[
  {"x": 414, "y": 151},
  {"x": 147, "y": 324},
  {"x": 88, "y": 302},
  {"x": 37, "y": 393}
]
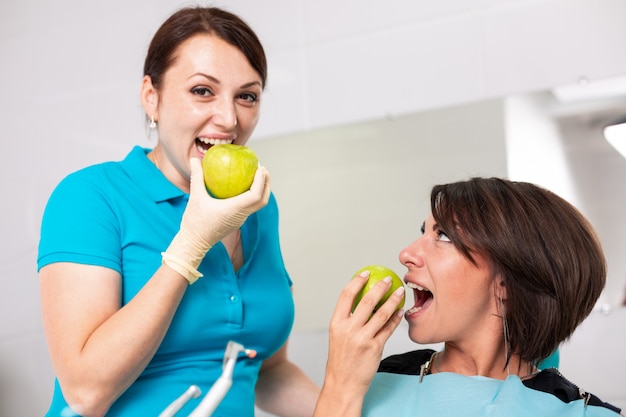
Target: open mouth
[
  {"x": 423, "y": 298},
  {"x": 203, "y": 144}
]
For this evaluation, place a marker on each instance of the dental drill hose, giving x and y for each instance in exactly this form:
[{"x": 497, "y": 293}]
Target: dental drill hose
[
  {"x": 219, "y": 390},
  {"x": 192, "y": 392}
]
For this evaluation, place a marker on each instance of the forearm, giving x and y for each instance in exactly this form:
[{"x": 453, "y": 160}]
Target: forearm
[
  {"x": 336, "y": 401},
  {"x": 285, "y": 390},
  {"x": 95, "y": 372},
  {"x": 342, "y": 393}
]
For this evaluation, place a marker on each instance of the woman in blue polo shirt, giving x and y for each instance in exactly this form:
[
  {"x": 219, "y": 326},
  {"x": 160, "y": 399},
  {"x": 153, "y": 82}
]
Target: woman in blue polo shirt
[{"x": 145, "y": 278}]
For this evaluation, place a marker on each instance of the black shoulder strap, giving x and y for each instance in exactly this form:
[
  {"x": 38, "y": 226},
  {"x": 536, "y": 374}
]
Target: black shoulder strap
[
  {"x": 551, "y": 381},
  {"x": 408, "y": 363}
]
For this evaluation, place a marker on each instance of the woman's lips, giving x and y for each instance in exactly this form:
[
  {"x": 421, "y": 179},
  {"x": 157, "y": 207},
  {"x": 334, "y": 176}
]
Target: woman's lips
[
  {"x": 423, "y": 299},
  {"x": 203, "y": 143}
]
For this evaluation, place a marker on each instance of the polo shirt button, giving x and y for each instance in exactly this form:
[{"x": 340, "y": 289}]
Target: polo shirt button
[{"x": 234, "y": 298}]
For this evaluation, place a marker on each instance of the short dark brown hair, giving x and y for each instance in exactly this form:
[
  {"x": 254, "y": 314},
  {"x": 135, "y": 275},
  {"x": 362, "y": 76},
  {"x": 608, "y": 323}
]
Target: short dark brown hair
[
  {"x": 190, "y": 21},
  {"x": 544, "y": 250}
]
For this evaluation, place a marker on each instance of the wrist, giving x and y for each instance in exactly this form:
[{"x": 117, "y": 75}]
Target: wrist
[
  {"x": 187, "y": 270},
  {"x": 335, "y": 401},
  {"x": 184, "y": 255}
]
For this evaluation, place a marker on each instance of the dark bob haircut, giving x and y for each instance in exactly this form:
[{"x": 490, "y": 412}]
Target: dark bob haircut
[{"x": 543, "y": 249}]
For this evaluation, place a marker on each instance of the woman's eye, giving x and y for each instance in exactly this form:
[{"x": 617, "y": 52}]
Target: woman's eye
[
  {"x": 202, "y": 91},
  {"x": 442, "y": 236},
  {"x": 249, "y": 97}
]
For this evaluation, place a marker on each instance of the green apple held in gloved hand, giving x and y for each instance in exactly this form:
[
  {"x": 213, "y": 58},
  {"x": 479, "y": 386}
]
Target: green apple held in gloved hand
[
  {"x": 377, "y": 273},
  {"x": 229, "y": 169}
]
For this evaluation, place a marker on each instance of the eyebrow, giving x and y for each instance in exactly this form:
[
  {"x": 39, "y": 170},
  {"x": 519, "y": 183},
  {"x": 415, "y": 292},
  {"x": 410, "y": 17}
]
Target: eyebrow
[{"x": 215, "y": 80}]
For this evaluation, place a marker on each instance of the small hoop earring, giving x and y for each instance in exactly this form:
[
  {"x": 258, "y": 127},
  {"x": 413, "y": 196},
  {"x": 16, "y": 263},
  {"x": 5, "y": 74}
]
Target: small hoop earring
[{"x": 153, "y": 123}]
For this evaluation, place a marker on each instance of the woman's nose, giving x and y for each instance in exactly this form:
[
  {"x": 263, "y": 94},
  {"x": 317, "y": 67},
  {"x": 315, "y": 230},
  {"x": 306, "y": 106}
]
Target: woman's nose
[
  {"x": 225, "y": 114},
  {"x": 412, "y": 254}
]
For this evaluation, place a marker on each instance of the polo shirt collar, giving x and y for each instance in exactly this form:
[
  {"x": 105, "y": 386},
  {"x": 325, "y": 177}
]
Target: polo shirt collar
[{"x": 142, "y": 171}]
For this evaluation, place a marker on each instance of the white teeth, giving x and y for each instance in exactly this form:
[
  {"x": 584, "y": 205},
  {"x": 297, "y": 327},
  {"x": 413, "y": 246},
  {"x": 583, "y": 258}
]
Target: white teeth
[
  {"x": 415, "y": 286},
  {"x": 214, "y": 141},
  {"x": 414, "y": 310}
]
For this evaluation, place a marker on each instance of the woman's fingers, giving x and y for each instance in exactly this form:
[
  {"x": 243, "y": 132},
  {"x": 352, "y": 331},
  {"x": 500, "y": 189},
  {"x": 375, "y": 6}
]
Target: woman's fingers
[
  {"x": 367, "y": 306},
  {"x": 386, "y": 319},
  {"x": 261, "y": 181},
  {"x": 366, "y": 310},
  {"x": 348, "y": 294},
  {"x": 357, "y": 339},
  {"x": 197, "y": 176}
]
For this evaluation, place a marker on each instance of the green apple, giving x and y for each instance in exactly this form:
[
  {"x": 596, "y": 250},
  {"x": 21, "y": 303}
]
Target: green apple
[
  {"x": 229, "y": 169},
  {"x": 377, "y": 273}
]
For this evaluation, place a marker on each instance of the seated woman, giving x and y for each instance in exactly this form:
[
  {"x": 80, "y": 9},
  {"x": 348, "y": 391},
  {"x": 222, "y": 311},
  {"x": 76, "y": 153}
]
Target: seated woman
[{"x": 502, "y": 274}]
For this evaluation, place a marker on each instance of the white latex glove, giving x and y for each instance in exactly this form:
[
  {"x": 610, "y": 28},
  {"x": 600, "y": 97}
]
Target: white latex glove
[{"x": 208, "y": 220}]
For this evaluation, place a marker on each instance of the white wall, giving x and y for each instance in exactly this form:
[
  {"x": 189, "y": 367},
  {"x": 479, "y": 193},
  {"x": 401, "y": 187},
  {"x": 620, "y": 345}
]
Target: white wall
[
  {"x": 594, "y": 356},
  {"x": 356, "y": 195},
  {"x": 338, "y": 62},
  {"x": 70, "y": 79}
]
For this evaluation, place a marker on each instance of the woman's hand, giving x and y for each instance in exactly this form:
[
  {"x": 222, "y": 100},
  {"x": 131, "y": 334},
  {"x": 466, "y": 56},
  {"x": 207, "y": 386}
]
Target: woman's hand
[
  {"x": 212, "y": 219},
  {"x": 208, "y": 220},
  {"x": 356, "y": 344}
]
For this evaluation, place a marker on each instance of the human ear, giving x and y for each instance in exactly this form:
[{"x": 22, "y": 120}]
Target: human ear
[
  {"x": 500, "y": 288},
  {"x": 149, "y": 96}
]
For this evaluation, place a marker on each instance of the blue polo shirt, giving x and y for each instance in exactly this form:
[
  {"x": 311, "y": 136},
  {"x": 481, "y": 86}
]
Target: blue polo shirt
[{"x": 122, "y": 215}]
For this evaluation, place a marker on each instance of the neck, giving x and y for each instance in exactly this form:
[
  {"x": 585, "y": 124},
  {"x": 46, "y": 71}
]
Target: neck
[
  {"x": 168, "y": 172},
  {"x": 152, "y": 156},
  {"x": 491, "y": 364}
]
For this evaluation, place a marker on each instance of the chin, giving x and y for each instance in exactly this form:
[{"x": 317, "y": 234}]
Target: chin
[{"x": 420, "y": 338}]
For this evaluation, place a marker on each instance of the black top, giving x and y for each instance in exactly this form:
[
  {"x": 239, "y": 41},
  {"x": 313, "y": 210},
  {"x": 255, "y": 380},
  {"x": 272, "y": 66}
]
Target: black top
[{"x": 549, "y": 380}]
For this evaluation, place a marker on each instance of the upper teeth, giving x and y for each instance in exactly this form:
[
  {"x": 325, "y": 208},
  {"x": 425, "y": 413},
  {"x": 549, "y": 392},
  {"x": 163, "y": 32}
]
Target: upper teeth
[
  {"x": 415, "y": 286},
  {"x": 214, "y": 141}
]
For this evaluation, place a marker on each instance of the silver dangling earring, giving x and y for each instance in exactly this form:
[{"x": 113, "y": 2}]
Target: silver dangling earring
[
  {"x": 153, "y": 123},
  {"x": 505, "y": 328}
]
